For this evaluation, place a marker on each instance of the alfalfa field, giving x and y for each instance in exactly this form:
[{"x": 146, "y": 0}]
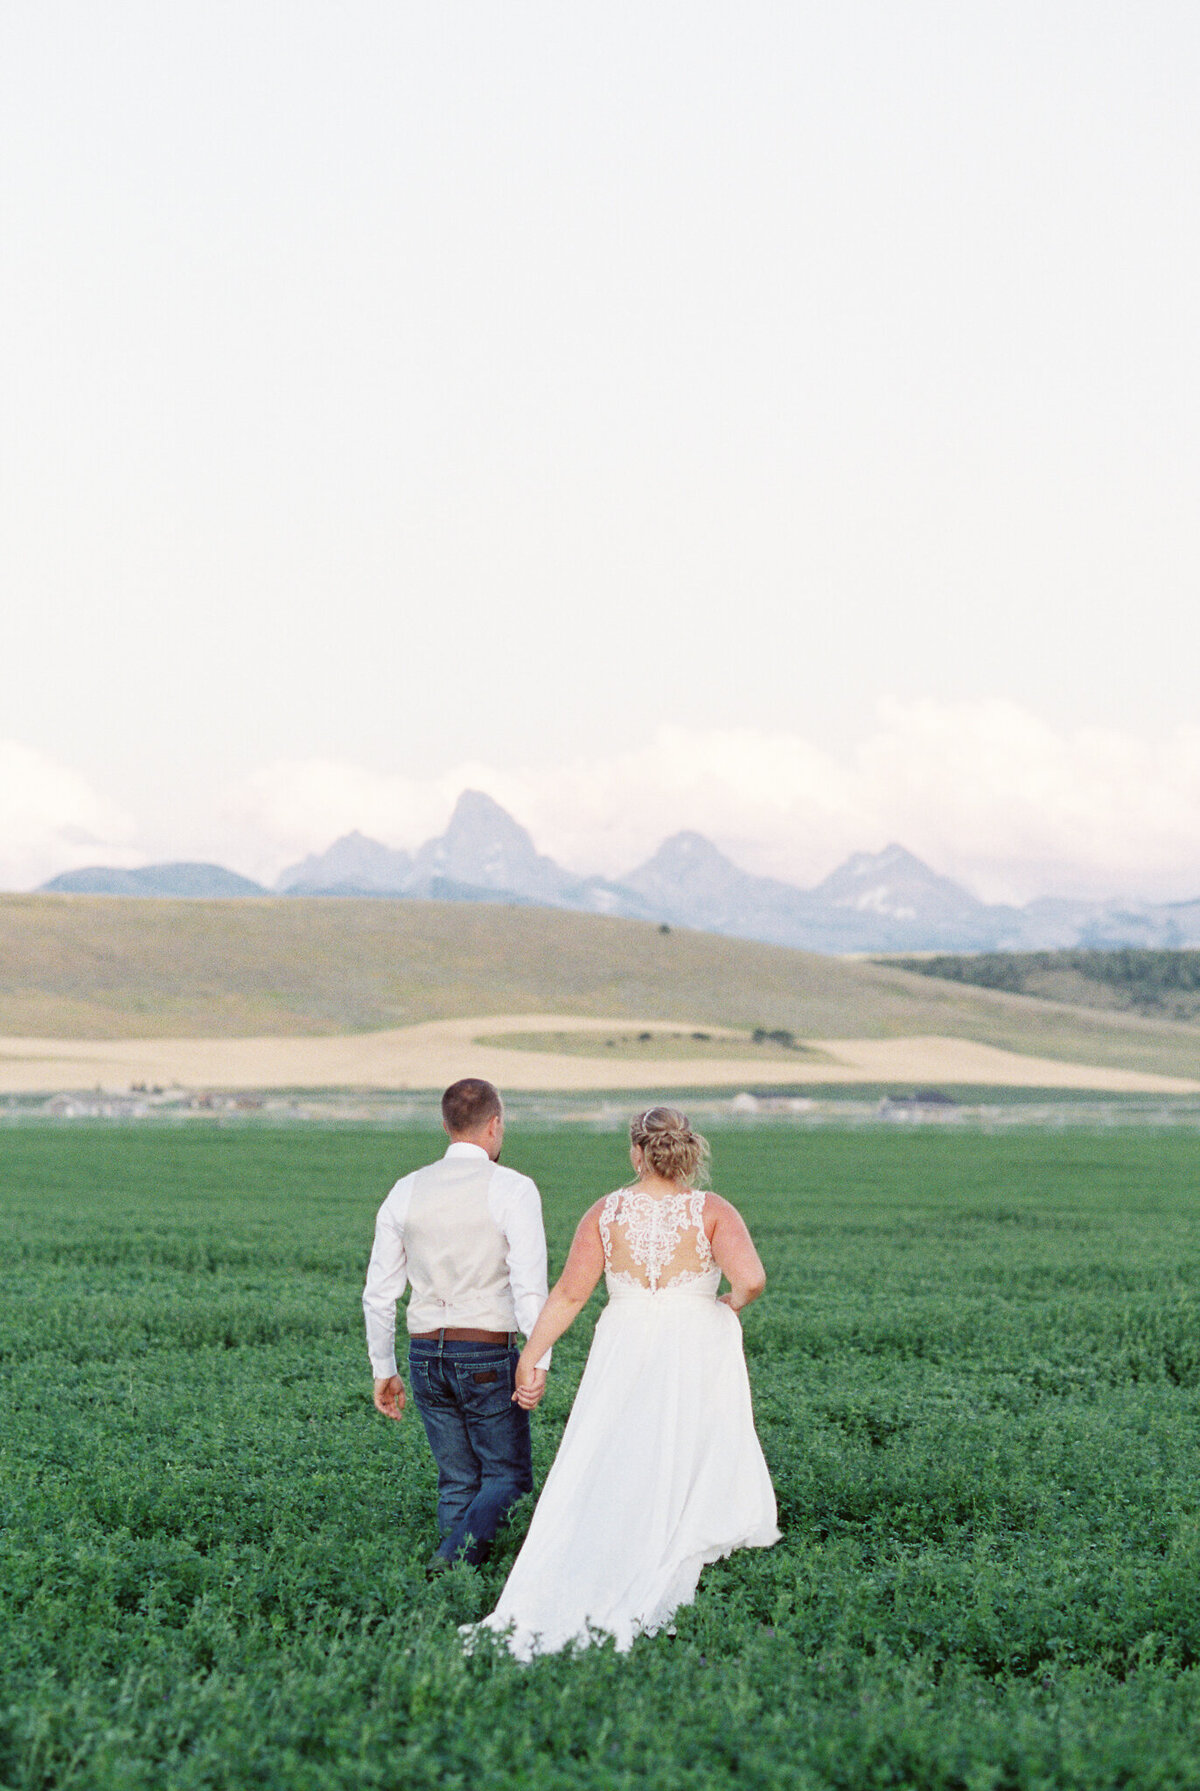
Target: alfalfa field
[{"x": 977, "y": 1378}]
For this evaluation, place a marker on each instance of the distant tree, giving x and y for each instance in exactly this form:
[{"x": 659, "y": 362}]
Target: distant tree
[{"x": 1146, "y": 979}]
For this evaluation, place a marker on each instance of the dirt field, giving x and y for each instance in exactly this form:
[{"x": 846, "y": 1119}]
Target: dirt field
[{"x": 436, "y": 1052}]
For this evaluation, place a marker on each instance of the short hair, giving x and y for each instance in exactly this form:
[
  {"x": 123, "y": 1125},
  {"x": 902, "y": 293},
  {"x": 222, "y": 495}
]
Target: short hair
[{"x": 468, "y": 1105}]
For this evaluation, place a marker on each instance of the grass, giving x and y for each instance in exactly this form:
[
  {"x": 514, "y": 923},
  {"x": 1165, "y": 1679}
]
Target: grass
[
  {"x": 121, "y": 967},
  {"x": 977, "y": 1380}
]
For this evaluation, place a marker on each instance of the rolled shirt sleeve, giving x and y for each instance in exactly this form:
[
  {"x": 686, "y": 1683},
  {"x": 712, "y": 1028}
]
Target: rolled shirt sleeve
[{"x": 387, "y": 1278}]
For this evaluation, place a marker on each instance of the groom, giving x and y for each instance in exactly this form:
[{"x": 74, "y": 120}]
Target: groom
[{"x": 466, "y": 1235}]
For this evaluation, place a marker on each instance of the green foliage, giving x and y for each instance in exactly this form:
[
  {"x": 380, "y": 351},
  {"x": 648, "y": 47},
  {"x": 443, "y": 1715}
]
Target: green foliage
[
  {"x": 1138, "y": 979},
  {"x": 977, "y": 1378}
]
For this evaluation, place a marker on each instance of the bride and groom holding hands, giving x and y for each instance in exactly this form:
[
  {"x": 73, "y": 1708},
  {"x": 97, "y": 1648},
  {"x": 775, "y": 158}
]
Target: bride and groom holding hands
[{"x": 659, "y": 1470}]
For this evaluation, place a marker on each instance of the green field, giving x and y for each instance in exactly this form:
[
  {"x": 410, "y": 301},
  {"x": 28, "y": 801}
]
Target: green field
[
  {"x": 977, "y": 1378},
  {"x": 119, "y": 967}
]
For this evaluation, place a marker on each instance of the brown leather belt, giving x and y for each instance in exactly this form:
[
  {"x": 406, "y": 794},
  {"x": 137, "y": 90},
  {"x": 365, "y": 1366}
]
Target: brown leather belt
[{"x": 463, "y": 1334}]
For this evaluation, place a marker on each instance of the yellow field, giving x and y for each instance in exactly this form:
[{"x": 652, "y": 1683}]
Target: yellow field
[
  {"x": 437, "y": 1052},
  {"x": 110, "y": 969}
]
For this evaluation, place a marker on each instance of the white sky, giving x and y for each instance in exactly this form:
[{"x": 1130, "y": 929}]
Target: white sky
[{"x": 779, "y": 419}]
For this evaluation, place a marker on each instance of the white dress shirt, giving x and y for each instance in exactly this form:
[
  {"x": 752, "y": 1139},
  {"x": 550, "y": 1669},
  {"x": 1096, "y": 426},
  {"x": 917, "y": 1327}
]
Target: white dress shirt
[{"x": 515, "y": 1206}]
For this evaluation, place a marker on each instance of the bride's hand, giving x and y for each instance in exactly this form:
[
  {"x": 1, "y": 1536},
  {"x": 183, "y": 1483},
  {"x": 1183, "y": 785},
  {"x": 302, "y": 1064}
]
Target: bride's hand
[
  {"x": 531, "y": 1385},
  {"x": 728, "y": 1300}
]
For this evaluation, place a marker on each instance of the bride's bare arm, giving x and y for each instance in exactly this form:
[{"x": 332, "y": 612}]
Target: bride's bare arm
[
  {"x": 734, "y": 1254},
  {"x": 569, "y": 1295}
]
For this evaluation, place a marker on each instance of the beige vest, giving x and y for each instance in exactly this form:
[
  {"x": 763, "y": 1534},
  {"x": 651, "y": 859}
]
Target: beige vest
[{"x": 457, "y": 1254}]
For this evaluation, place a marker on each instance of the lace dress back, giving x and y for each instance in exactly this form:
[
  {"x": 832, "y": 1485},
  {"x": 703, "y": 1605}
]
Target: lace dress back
[
  {"x": 656, "y": 1243},
  {"x": 659, "y": 1470}
]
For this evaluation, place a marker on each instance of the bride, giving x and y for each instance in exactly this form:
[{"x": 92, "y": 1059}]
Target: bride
[{"x": 659, "y": 1470}]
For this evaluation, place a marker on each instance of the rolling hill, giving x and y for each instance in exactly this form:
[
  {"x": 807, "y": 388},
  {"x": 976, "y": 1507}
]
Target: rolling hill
[{"x": 94, "y": 967}]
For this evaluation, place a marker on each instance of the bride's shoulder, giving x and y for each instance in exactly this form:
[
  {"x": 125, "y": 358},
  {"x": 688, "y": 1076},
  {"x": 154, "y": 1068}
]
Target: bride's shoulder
[
  {"x": 596, "y": 1212},
  {"x": 587, "y": 1232},
  {"x": 716, "y": 1207}
]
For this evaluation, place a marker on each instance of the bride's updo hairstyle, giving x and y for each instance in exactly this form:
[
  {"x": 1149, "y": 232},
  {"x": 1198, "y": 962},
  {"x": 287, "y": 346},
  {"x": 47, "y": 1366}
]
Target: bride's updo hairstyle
[{"x": 669, "y": 1145}]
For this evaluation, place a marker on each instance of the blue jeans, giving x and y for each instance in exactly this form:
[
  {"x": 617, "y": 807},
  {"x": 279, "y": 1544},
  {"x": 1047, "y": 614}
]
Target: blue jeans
[{"x": 479, "y": 1438}]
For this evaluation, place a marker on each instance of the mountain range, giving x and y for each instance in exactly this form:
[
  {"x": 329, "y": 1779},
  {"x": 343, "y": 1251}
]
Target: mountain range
[
  {"x": 154, "y": 880},
  {"x": 887, "y": 901}
]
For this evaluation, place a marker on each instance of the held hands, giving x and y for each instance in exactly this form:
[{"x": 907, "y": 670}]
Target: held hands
[
  {"x": 389, "y": 1396},
  {"x": 531, "y": 1385}
]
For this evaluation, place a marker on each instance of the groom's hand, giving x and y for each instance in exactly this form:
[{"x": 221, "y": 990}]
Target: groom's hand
[
  {"x": 389, "y": 1396},
  {"x": 531, "y": 1385}
]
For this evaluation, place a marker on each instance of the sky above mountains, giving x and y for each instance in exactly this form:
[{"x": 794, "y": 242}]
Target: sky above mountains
[
  {"x": 989, "y": 795},
  {"x": 874, "y": 902},
  {"x": 780, "y": 422}
]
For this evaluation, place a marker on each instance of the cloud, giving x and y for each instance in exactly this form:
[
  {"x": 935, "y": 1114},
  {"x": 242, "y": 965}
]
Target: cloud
[
  {"x": 593, "y": 814},
  {"x": 52, "y": 820},
  {"x": 1020, "y": 808},
  {"x": 296, "y": 806},
  {"x": 986, "y": 791}
]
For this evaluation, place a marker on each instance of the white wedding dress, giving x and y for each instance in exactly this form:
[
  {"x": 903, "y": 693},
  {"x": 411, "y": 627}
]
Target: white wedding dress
[{"x": 659, "y": 1470}]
